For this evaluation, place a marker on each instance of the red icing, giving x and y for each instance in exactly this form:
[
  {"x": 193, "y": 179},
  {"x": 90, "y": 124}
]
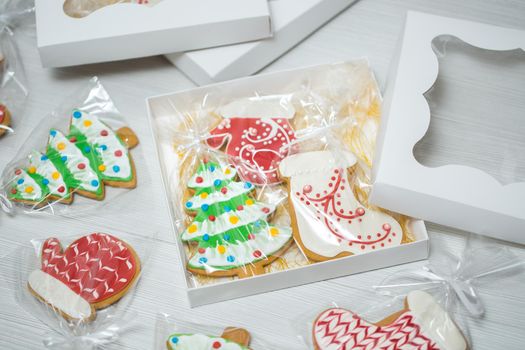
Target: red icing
[
  {"x": 73, "y": 139},
  {"x": 216, "y": 345},
  {"x": 18, "y": 172},
  {"x": 344, "y": 330},
  {"x": 13, "y": 191},
  {"x": 255, "y": 146},
  {"x": 198, "y": 179},
  {"x": 118, "y": 153},
  {"x": 257, "y": 254},
  {"x": 96, "y": 267},
  {"x": 61, "y": 189},
  {"x": 104, "y": 133},
  {"x": 81, "y": 166}
]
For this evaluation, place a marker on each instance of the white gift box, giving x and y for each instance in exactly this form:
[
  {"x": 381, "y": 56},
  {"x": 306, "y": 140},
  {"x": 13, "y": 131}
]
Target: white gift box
[
  {"x": 163, "y": 120},
  {"x": 292, "y": 21},
  {"x": 455, "y": 195},
  {"x": 126, "y": 30}
]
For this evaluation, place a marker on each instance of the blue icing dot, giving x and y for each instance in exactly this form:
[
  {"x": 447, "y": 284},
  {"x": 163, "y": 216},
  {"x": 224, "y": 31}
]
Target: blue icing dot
[
  {"x": 94, "y": 183},
  {"x": 217, "y": 182},
  {"x": 227, "y": 237},
  {"x": 77, "y": 114},
  {"x": 227, "y": 208},
  {"x": 206, "y": 237},
  {"x": 45, "y": 181},
  {"x": 247, "y": 185},
  {"x": 103, "y": 147},
  {"x": 189, "y": 204},
  {"x": 20, "y": 181},
  {"x": 230, "y": 258},
  {"x": 53, "y": 133},
  {"x": 174, "y": 340},
  {"x": 63, "y": 158},
  {"x": 116, "y": 168},
  {"x": 212, "y": 168},
  {"x": 257, "y": 224},
  {"x": 203, "y": 260},
  {"x": 44, "y": 157},
  {"x": 87, "y": 149},
  {"x": 205, "y": 207}
]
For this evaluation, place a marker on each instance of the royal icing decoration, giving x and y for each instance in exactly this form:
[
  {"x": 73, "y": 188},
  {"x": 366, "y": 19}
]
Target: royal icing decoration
[
  {"x": 92, "y": 270},
  {"x": 230, "y": 227},
  {"x": 201, "y": 342},
  {"x": 81, "y": 162},
  {"x": 330, "y": 219},
  {"x": 423, "y": 326},
  {"x": 255, "y": 143}
]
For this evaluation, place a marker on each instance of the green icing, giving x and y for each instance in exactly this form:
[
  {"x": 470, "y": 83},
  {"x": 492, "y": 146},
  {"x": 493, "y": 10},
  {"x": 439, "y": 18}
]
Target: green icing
[
  {"x": 55, "y": 158},
  {"x": 217, "y": 209}
]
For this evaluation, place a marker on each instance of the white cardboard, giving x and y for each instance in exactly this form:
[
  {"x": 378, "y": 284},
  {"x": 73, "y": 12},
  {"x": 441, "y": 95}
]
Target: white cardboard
[
  {"x": 124, "y": 30},
  {"x": 160, "y": 112},
  {"x": 292, "y": 21},
  {"x": 453, "y": 195}
]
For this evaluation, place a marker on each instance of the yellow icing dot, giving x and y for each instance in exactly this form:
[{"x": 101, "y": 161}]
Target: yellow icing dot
[
  {"x": 221, "y": 249},
  {"x": 249, "y": 202},
  {"x": 192, "y": 229},
  {"x": 227, "y": 171},
  {"x": 101, "y": 167},
  {"x": 31, "y": 170},
  {"x": 61, "y": 146},
  {"x": 55, "y": 175},
  {"x": 204, "y": 195},
  {"x": 274, "y": 231},
  {"x": 29, "y": 189},
  {"x": 234, "y": 220},
  {"x": 87, "y": 123}
]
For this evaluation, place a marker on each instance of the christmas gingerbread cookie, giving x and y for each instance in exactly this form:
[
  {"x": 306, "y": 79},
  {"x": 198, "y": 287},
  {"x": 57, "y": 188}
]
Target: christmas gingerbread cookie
[
  {"x": 329, "y": 222},
  {"x": 94, "y": 272},
  {"x": 422, "y": 324},
  {"x": 231, "y": 339},
  {"x": 230, "y": 229},
  {"x": 82, "y": 162},
  {"x": 255, "y": 134},
  {"x": 5, "y": 119}
]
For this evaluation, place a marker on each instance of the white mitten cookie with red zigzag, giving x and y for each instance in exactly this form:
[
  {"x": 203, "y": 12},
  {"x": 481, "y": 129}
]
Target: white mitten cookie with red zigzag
[
  {"x": 421, "y": 325},
  {"x": 94, "y": 272},
  {"x": 329, "y": 222}
]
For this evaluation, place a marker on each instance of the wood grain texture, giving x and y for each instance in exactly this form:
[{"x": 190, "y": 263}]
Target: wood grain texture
[{"x": 369, "y": 28}]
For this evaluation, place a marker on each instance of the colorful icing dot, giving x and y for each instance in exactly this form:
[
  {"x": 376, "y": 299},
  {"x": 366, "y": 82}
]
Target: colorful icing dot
[
  {"x": 61, "y": 189},
  {"x": 174, "y": 340},
  {"x": 211, "y": 218},
  {"x": 31, "y": 170},
  {"x": 212, "y": 168},
  {"x": 249, "y": 202},
  {"x": 87, "y": 149},
  {"x": 216, "y": 345},
  {"x": 73, "y": 139},
  {"x": 118, "y": 153},
  {"x": 307, "y": 189},
  {"x": 248, "y": 185},
  {"x": 20, "y": 181},
  {"x": 189, "y": 204},
  {"x": 205, "y": 207},
  {"x": 77, "y": 114},
  {"x": 13, "y": 191},
  {"x": 217, "y": 182},
  {"x": 81, "y": 166},
  {"x": 29, "y": 189},
  {"x": 45, "y": 182},
  {"x": 103, "y": 147},
  {"x": 101, "y": 167},
  {"x": 204, "y": 195},
  {"x": 104, "y": 133},
  {"x": 226, "y": 237},
  {"x": 257, "y": 253},
  {"x": 274, "y": 231},
  {"x": 240, "y": 207},
  {"x": 199, "y": 179},
  {"x": 61, "y": 146},
  {"x": 227, "y": 208},
  {"x": 53, "y": 133},
  {"x": 257, "y": 224},
  {"x": 18, "y": 172},
  {"x": 265, "y": 210},
  {"x": 203, "y": 260},
  {"x": 360, "y": 211},
  {"x": 202, "y": 250},
  {"x": 94, "y": 183},
  {"x": 227, "y": 171},
  {"x": 230, "y": 258},
  {"x": 43, "y": 158},
  {"x": 63, "y": 159},
  {"x": 234, "y": 220},
  {"x": 206, "y": 237},
  {"x": 87, "y": 123},
  {"x": 192, "y": 229},
  {"x": 221, "y": 249},
  {"x": 224, "y": 190},
  {"x": 251, "y": 236}
]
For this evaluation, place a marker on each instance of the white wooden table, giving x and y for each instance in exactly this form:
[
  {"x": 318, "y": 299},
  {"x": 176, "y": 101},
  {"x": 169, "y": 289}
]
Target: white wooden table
[{"x": 369, "y": 28}]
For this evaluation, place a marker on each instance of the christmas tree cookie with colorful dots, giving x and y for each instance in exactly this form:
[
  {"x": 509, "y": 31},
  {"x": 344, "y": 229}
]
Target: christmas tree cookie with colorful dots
[
  {"x": 91, "y": 156},
  {"x": 230, "y": 229},
  {"x": 231, "y": 339}
]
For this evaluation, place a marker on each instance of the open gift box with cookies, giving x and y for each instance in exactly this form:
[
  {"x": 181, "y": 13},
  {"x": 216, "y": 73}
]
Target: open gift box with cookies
[{"x": 267, "y": 180}]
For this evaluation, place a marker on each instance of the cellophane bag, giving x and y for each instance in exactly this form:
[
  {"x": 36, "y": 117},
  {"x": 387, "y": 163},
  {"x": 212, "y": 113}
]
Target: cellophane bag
[
  {"x": 81, "y": 285},
  {"x": 173, "y": 333},
  {"x": 13, "y": 85},
  {"x": 83, "y": 8},
  {"x": 78, "y": 158},
  {"x": 271, "y": 180}
]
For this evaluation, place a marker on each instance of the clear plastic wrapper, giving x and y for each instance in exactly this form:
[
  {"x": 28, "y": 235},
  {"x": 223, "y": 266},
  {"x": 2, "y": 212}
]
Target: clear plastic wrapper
[
  {"x": 171, "y": 333},
  {"x": 83, "y": 8},
  {"x": 13, "y": 85},
  {"x": 82, "y": 285},
  {"x": 269, "y": 181},
  {"x": 79, "y": 157}
]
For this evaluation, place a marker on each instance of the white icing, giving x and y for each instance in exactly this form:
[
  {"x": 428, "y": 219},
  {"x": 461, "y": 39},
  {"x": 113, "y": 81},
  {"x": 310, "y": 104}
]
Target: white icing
[
  {"x": 209, "y": 177},
  {"x": 56, "y": 293},
  {"x": 435, "y": 322},
  {"x": 275, "y": 106},
  {"x": 87, "y": 176},
  {"x": 201, "y": 342},
  {"x": 234, "y": 189},
  {"x": 324, "y": 229},
  {"x": 222, "y": 223},
  {"x": 35, "y": 194},
  {"x": 106, "y": 146},
  {"x": 45, "y": 167},
  {"x": 243, "y": 252}
]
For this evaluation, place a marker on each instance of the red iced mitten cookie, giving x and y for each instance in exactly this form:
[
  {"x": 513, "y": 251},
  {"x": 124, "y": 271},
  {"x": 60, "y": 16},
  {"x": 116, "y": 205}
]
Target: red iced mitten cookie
[
  {"x": 421, "y": 325},
  {"x": 330, "y": 221},
  {"x": 256, "y": 133},
  {"x": 94, "y": 272}
]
